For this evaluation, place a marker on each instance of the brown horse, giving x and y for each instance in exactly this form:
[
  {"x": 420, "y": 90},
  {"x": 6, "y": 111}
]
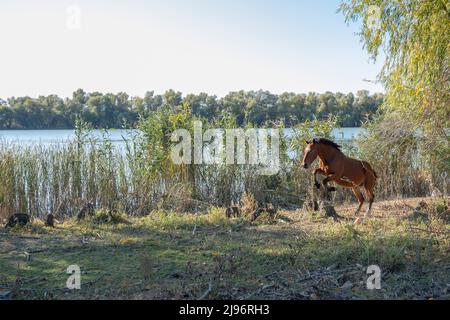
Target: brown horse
[{"x": 343, "y": 170}]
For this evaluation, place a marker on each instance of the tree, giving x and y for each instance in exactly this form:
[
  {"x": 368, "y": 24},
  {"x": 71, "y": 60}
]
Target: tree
[
  {"x": 120, "y": 110},
  {"x": 415, "y": 36},
  {"x": 6, "y": 115}
]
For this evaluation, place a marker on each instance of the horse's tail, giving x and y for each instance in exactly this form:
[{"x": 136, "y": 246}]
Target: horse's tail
[{"x": 369, "y": 168}]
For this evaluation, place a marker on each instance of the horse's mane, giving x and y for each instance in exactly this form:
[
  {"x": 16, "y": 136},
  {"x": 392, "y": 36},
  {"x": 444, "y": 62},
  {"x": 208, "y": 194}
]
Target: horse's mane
[{"x": 327, "y": 142}]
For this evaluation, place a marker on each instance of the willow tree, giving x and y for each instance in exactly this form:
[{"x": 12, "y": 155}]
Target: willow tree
[{"x": 413, "y": 38}]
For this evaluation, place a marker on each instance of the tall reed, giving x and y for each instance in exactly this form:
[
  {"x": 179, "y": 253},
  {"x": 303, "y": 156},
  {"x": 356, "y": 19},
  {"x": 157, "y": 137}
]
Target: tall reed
[{"x": 139, "y": 175}]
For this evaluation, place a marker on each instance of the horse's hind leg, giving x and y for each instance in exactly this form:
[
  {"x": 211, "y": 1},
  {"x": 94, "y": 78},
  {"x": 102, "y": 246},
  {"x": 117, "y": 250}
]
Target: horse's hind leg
[
  {"x": 368, "y": 187},
  {"x": 360, "y": 198}
]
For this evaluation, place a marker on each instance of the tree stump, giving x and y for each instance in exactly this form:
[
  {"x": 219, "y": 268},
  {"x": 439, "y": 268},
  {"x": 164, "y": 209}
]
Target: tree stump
[
  {"x": 87, "y": 210},
  {"x": 310, "y": 203},
  {"x": 232, "y": 211},
  {"x": 326, "y": 207},
  {"x": 17, "y": 219},
  {"x": 50, "y": 220}
]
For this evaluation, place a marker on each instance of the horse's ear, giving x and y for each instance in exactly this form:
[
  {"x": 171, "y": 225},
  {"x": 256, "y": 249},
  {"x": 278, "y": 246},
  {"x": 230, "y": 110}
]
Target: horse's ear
[
  {"x": 307, "y": 142},
  {"x": 315, "y": 140}
]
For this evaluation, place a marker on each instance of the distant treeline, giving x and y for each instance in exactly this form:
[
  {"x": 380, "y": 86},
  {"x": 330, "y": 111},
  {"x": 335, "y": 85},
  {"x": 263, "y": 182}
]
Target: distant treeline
[{"x": 120, "y": 110}]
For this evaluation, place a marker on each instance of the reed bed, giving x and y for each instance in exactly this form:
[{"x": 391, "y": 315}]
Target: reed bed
[{"x": 139, "y": 176}]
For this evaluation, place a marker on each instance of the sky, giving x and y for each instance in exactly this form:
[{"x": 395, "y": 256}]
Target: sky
[{"x": 193, "y": 46}]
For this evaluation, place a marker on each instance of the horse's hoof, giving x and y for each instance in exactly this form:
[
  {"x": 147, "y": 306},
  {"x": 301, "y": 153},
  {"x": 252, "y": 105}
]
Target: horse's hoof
[{"x": 317, "y": 185}]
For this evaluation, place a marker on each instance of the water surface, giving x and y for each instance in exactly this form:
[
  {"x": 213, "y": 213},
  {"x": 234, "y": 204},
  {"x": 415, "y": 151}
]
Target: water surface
[{"x": 115, "y": 135}]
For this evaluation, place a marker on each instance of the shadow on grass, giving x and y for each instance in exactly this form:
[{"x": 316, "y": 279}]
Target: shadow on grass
[{"x": 166, "y": 260}]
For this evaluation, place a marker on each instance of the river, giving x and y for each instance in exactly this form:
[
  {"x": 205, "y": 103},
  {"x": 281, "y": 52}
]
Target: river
[{"x": 115, "y": 135}]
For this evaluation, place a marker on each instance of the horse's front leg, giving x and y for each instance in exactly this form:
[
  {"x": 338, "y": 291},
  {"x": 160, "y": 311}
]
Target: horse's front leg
[
  {"x": 329, "y": 178},
  {"x": 316, "y": 182}
]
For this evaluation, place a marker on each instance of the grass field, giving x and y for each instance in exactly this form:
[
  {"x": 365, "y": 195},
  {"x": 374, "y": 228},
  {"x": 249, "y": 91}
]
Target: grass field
[{"x": 297, "y": 255}]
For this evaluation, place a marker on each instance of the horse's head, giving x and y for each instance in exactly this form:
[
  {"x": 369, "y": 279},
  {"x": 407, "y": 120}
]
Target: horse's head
[{"x": 310, "y": 153}]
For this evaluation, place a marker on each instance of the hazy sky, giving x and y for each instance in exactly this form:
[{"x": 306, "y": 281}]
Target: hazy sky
[{"x": 212, "y": 46}]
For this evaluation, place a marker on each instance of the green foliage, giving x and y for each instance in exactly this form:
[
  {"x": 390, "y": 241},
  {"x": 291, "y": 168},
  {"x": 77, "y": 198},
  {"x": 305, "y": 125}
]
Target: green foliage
[
  {"x": 415, "y": 37},
  {"x": 309, "y": 129},
  {"x": 122, "y": 111}
]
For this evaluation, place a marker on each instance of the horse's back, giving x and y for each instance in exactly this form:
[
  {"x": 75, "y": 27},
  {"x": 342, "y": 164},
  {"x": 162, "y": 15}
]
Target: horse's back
[{"x": 353, "y": 170}]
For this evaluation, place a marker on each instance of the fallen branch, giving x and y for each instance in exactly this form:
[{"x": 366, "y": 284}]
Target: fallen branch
[
  {"x": 207, "y": 292},
  {"x": 196, "y": 220},
  {"x": 446, "y": 233},
  {"x": 260, "y": 290}
]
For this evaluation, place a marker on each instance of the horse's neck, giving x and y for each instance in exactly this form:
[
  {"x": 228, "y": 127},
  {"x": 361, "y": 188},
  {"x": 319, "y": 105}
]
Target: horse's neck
[{"x": 328, "y": 154}]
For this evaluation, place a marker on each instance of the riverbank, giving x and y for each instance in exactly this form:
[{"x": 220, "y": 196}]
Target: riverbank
[{"x": 297, "y": 255}]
